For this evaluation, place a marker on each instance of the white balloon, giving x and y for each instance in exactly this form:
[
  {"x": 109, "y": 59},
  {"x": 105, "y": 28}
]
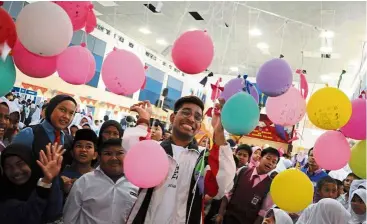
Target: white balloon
[{"x": 44, "y": 28}]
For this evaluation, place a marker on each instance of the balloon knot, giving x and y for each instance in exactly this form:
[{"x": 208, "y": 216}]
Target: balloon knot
[
  {"x": 83, "y": 44},
  {"x": 205, "y": 31},
  {"x": 115, "y": 48},
  {"x": 91, "y": 6},
  {"x": 1, "y": 3}
]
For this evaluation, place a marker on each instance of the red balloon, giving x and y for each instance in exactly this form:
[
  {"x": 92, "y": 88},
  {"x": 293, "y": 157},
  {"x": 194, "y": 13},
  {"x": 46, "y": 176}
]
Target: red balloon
[
  {"x": 193, "y": 52},
  {"x": 8, "y": 32},
  {"x": 77, "y": 11},
  {"x": 33, "y": 65}
]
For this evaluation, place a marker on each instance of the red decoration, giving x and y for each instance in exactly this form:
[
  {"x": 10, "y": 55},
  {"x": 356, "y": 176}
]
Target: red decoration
[{"x": 216, "y": 89}]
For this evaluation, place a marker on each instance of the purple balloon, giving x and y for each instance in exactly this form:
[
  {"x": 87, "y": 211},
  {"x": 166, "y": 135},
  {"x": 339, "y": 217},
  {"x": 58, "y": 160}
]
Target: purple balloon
[
  {"x": 232, "y": 87},
  {"x": 274, "y": 77}
]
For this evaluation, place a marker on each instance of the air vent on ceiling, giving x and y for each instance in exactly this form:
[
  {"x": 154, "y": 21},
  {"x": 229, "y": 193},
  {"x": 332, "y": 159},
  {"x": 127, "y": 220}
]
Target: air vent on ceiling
[
  {"x": 196, "y": 16},
  {"x": 152, "y": 8}
]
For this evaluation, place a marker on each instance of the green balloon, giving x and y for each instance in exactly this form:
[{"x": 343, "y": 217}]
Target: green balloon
[
  {"x": 357, "y": 160},
  {"x": 7, "y": 75},
  {"x": 240, "y": 114}
]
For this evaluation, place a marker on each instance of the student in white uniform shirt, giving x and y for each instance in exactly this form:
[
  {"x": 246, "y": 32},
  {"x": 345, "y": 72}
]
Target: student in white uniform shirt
[
  {"x": 179, "y": 198},
  {"x": 103, "y": 196}
]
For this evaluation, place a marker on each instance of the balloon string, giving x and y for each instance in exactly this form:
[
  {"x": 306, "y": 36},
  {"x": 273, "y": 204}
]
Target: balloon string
[
  {"x": 229, "y": 34},
  {"x": 11, "y": 4},
  {"x": 282, "y": 37},
  {"x": 182, "y": 18}
]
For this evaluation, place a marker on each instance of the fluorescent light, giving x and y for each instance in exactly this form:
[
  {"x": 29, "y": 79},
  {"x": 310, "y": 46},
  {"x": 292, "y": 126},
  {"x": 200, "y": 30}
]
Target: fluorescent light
[
  {"x": 325, "y": 78},
  {"x": 161, "y": 42},
  {"x": 107, "y": 3},
  {"x": 234, "y": 69},
  {"x": 327, "y": 34},
  {"x": 255, "y": 32},
  {"x": 145, "y": 30},
  {"x": 326, "y": 50},
  {"x": 96, "y": 13},
  {"x": 192, "y": 29},
  {"x": 262, "y": 46}
]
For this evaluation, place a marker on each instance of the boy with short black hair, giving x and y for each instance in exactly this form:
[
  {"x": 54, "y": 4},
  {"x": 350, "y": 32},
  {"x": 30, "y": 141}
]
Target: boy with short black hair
[
  {"x": 326, "y": 188},
  {"x": 249, "y": 200},
  {"x": 103, "y": 195},
  {"x": 83, "y": 153},
  {"x": 243, "y": 153}
]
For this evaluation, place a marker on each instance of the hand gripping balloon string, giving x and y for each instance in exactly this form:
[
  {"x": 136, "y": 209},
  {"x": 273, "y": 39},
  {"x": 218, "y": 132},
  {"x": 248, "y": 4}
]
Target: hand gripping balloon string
[{"x": 303, "y": 82}]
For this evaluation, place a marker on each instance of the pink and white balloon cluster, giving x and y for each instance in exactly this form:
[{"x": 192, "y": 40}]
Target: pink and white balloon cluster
[{"x": 45, "y": 30}]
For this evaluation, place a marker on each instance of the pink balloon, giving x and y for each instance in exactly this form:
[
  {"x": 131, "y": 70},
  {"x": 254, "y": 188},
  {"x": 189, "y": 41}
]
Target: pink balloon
[
  {"x": 331, "y": 150},
  {"x": 122, "y": 72},
  {"x": 356, "y": 126},
  {"x": 33, "y": 65},
  {"x": 193, "y": 52},
  {"x": 287, "y": 109},
  {"x": 146, "y": 164},
  {"x": 77, "y": 11},
  {"x": 76, "y": 65}
]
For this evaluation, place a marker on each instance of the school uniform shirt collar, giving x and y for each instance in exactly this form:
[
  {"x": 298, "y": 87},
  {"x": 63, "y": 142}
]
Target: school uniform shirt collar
[
  {"x": 314, "y": 173},
  {"x": 49, "y": 129},
  {"x": 261, "y": 177}
]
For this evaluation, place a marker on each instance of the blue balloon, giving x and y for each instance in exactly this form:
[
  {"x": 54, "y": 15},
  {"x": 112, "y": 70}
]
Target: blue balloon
[
  {"x": 7, "y": 75},
  {"x": 240, "y": 114}
]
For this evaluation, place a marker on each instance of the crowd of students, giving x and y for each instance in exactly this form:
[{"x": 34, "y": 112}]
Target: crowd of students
[{"x": 62, "y": 171}]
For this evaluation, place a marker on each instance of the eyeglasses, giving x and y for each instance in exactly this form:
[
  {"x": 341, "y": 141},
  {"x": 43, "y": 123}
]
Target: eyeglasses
[{"x": 186, "y": 113}]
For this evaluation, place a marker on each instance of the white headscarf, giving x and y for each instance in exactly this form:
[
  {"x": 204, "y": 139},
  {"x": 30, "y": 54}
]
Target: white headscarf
[
  {"x": 281, "y": 217},
  {"x": 357, "y": 219},
  {"x": 326, "y": 211}
]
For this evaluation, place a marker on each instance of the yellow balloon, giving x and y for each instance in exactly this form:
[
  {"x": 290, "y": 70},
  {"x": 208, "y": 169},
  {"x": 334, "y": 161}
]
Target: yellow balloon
[
  {"x": 292, "y": 191},
  {"x": 357, "y": 162},
  {"x": 329, "y": 108}
]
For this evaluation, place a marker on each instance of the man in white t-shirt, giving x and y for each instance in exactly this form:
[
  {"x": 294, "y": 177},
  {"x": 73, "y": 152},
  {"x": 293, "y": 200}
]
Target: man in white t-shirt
[{"x": 178, "y": 199}]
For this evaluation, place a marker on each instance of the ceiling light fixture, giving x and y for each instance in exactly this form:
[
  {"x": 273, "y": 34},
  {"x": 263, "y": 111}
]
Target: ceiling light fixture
[
  {"x": 262, "y": 46},
  {"x": 326, "y": 50},
  {"x": 107, "y": 3},
  {"x": 145, "y": 30},
  {"x": 327, "y": 34},
  {"x": 234, "y": 69},
  {"x": 255, "y": 32},
  {"x": 161, "y": 42}
]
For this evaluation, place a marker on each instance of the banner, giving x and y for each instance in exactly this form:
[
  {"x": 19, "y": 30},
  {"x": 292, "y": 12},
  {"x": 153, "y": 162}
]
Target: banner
[{"x": 266, "y": 130}]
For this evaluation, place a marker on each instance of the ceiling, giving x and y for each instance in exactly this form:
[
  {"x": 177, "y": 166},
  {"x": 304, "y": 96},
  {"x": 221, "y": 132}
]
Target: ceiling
[{"x": 234, "y": 47}]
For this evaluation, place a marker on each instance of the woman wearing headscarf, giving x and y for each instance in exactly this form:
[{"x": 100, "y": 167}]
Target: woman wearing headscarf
[
  {"x": 357, "y": 207},
  {"x": 110, "y": 129},
  {"x": 4, "y": 123},
  {"x": 24, "y": 196},
  {"x": 59, "y": 114},
  {"x": 326, "y": 211},
  {"x": 254, "y": 160},
  {"x": 277, "y": 216}
]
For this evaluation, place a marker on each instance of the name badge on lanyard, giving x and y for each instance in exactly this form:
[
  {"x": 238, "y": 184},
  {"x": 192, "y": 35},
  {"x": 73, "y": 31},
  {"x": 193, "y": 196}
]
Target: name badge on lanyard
[{"x": 255, "y": 200}]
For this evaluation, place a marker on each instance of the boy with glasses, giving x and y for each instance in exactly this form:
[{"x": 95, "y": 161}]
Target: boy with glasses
[{"x": 179, "y": 198}]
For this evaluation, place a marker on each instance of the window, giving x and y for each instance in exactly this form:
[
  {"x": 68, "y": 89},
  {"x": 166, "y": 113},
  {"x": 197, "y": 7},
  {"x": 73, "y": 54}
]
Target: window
[
  {"x": 14, "y": 7},
  {"x": 153, "y": 87},
  {"x": 174, "y": 91}
]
